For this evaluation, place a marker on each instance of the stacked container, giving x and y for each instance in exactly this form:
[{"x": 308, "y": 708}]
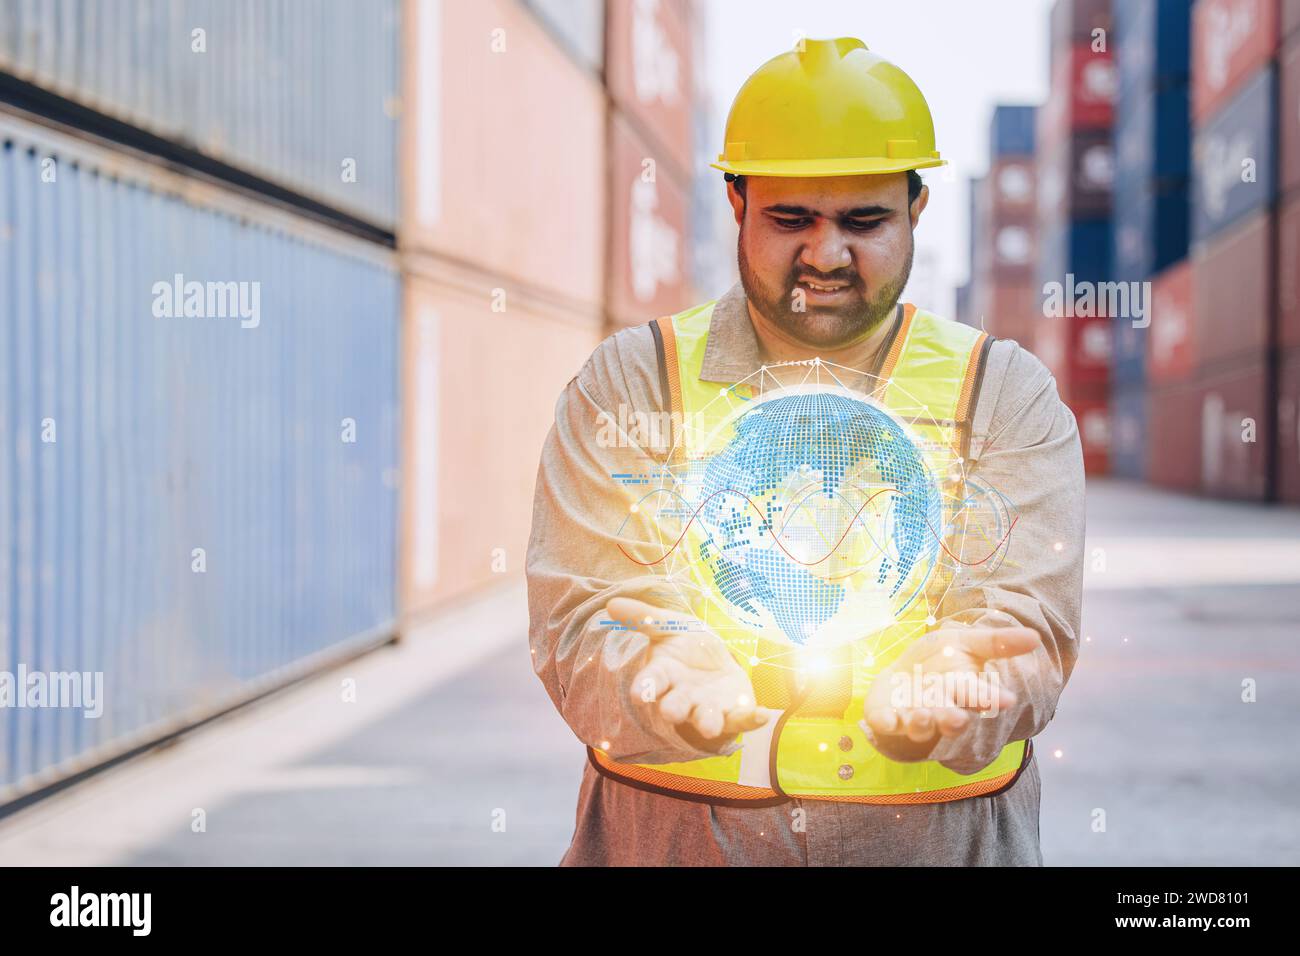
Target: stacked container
[
  {"x": 1150, "y": 230},
  {"x": 1075, "y": 183},
  {"x": 198, "y": 359},
  {"x": 503, "y": 247},
  {"x": 651, "y": 158},
  {"x": 1287, "y": 364},
  {"x": 1229, "y": 393},
  {"x": 1003, "y": 298}
]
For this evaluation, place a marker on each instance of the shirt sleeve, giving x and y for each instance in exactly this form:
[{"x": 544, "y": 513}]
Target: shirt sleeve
[
  {"x": 1027, "y": 462},
  {"x": 592, "y": 541}
]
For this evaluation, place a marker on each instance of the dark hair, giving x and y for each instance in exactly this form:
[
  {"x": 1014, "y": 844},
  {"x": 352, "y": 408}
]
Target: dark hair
[{"x": 913, "y": 184}]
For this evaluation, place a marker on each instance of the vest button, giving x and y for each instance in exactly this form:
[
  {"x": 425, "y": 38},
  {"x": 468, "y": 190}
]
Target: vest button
[
  {"x": 846, "y": 743},
  {"x": 845, "y": 771}
]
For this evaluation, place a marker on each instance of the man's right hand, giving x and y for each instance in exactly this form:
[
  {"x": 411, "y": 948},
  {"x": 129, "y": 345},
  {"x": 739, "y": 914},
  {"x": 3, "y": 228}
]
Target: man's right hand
[{"x": 690, "y": 675}]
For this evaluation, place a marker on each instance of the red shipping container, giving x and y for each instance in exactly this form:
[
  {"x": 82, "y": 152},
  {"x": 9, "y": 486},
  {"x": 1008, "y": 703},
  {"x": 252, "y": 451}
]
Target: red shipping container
[
  {"x": 1231, "y": 40},
  {"x": 1174, "y": 437},
  {"x": 1077, "y": 177},
  {"x": 1007, "y": 311},
  {"x": 1171, "y": 342},
  {"x": 1288, "y": 274},
  {"x": 1094, "y": 422},
  {"x": 1076, "y": 20},
  {"x": 1289, "y": 119},
  {"x": 1235, "y": 435},
  {"x": 648, "y": 264},
  {"x": 1012, "y": 184},
  {"x": 1290, "y": 17},
  {"x": 1288, "y": 427},
  {"x": 1232, "y": 292},
  {"x": 1082, "y": 94},
  {"x": 648, "y": 68},
  {"x": 1077, "y": 350}
]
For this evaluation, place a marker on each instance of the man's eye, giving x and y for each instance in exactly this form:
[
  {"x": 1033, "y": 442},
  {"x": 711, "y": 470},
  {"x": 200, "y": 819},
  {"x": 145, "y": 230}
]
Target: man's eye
[
  {"x": 793, "y": 223},
  {"x": 864, "y": 225}
]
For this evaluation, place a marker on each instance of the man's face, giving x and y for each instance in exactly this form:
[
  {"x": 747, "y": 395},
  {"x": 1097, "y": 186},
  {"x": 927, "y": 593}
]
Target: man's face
[{"x": 825, "y": 259}]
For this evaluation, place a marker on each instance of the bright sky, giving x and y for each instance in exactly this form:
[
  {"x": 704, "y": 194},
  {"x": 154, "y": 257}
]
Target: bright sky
[{"x": 964, "y": 56}]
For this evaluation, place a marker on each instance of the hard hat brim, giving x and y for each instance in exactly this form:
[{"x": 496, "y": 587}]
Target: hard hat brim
[{"x": 809, "y": 168}]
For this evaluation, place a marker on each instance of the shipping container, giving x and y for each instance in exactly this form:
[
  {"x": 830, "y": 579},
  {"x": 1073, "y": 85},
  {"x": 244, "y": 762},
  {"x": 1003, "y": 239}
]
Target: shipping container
[
  {"x": 649, "y": 74},
  {"x": 1289, "y": 120},
  {"x": 1128, "y": 449},
  {"x": 1174, "y": 436},
  {"x": 1084, "y": 84},
  {"x": 1129, "y": 337},
  {"x": 1012, "y": 189},
  {"x": 1154, "y": 42},
  {"x": 1080, "y": 248},
  {"x": 649, "y": 271},
  {"x": 1077, "y": 21},
  {"x": 528, "y": 130},
  {"x": 1076, "y": 177},
  {"x": 1093, "y": 418},
  {"x": 1290, "y": 17},
  {"x": 1234, "y": 170},
  {"x": 1077, "y": 350},
  {"x": 1153, "y": 135},
  {"x": 1236, "y": 431},
  {"x": 1011, "y": 131},
  {"x": 578, "y": 26},
  {"x": 1008, "y": 311},
  {"x": 1232, "y": 291},
  {"x": 1288, "y": 427},
  {"x": 1288, "y": 274},
  {"x": 1150, "y": 226},
  {"x": 1231, "y": 41},
  {"x": 1171, "y": 351},
  {"x": 452, "y": 458},
  {"x": 296, "y": 95},
  {"x": 200, "y": 507}
]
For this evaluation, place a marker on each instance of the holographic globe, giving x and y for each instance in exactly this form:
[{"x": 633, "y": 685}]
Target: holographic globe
[{"x": 820, "y": 517}]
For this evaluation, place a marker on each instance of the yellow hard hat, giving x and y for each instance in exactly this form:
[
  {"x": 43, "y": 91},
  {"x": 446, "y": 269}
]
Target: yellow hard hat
[{"x": 832, "y": 108}]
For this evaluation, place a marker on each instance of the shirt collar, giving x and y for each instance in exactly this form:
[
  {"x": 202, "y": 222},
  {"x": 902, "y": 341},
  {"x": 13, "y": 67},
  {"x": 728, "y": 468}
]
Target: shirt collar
[{"x": 732, "y": 353}]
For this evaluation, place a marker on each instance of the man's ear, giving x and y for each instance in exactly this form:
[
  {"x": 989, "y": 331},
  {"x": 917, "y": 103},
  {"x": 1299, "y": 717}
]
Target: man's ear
[
  {"x": 737, "y": 201},
  {"x": 918, "y": 204}
]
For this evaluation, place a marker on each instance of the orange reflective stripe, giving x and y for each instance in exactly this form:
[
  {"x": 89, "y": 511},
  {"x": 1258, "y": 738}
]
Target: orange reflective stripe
[
  {"x": 968, "y": 383},
  {"x": 673, "y": 374},
  {"x": 895, "y": 350}
]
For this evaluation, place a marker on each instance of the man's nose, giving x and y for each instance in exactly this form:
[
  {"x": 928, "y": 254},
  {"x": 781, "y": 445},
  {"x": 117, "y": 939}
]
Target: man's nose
[{"x": 826, "y": 250}]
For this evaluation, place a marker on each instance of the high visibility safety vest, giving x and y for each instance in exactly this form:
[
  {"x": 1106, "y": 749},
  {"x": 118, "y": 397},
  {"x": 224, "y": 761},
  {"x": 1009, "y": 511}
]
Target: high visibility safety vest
[{"x": 817, "y": 749}]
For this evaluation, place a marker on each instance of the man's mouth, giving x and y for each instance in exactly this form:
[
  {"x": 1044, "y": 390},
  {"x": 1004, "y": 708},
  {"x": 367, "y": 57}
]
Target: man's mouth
[{"x": 823, "y": 290}]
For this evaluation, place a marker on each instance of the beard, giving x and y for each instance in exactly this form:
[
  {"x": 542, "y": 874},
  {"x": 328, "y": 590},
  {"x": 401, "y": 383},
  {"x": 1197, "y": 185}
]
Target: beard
[{"x": 823, "y": 326}]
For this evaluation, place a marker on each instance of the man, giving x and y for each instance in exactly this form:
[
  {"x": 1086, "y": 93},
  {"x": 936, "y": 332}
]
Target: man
[{"x": 710, "y": 740}]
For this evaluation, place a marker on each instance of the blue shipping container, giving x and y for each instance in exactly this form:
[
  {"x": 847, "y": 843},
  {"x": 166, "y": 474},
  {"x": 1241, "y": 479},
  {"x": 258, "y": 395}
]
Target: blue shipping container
[
  {"x": 1150, "y": 227},
  {"x": 1129, "y": 352},
  {"x": 1154, "y": 42},
  {"x": 1081, "y": 247},
  {"x": 1153, "y": 135},
  {"x": 1234, "y": 170},
  {"x": 1128, "y": 448},
  {"x": 198, "y": 446},
  {"x": 303, "y": 95},
  {"x": 1011, "y": 131}
]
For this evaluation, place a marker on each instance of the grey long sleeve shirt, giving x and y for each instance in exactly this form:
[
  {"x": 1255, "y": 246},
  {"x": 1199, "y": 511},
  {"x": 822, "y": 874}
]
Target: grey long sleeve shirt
[{"x": 1025, "y": 444}]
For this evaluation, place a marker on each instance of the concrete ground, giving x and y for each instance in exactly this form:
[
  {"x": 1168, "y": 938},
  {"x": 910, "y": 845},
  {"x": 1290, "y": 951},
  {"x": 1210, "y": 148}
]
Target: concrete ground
[{"x": 451, "y": 735}]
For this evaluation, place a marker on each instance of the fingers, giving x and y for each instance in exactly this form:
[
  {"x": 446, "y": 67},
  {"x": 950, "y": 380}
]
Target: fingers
[
  {"x": 655, "y": 623},
  {"x": 995, "y": 642}
]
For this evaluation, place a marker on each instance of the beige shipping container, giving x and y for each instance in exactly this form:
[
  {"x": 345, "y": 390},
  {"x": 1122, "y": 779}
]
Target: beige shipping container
[
  {"x": 479, "y": 384},
  {"x": 503, "y": 253},
  {"x": 649, "y": 266},
  {"x": 503, "y": 149},
  {"x": 650, "y": 72}
]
